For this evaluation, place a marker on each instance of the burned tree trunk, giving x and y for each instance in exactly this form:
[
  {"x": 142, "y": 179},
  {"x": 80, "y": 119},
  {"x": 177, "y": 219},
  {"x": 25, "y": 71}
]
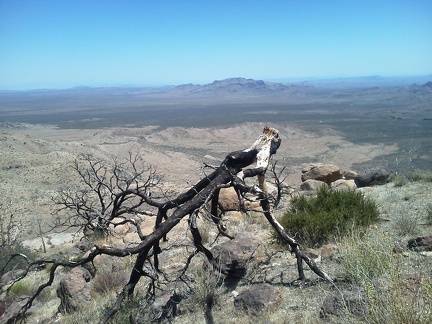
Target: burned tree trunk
[{"x": 231, "y": 173}]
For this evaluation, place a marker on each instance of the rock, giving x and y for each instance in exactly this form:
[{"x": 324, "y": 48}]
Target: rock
[
  {"x": 373, "y": 177},
  {"x": 323, "y": 172},
  {"x": 12, "y": 275},
  {"x": 50, "y": 240},
  {"x": 122, "y": 229},
  {"x": 258, "y": 298},
  {"x": 74, "y": 290},
  {"x": 9, "y": 309},
  {"x": 228, "y": 200},
  {"x": 233, "y": 255},
  {"x": 342, "y": 184},
  {"x": 351, "y": 301},
  {"x": 2, "y": 307},
  {"x": 84, "y": 244},
  {"x": 349, "y": 175},
  {"x": 420, "y": 244},
  {"x": 166, "y": 307},
  {"x": 108, "y": 263},
  {"x": 312, "y": 185}
]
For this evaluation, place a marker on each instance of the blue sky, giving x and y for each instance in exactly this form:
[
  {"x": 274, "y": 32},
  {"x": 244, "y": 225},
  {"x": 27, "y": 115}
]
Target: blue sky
[{"x": 65, "y": 43}]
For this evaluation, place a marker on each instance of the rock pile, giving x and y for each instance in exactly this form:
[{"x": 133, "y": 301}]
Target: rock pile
[{"x": 316, "y": 175}]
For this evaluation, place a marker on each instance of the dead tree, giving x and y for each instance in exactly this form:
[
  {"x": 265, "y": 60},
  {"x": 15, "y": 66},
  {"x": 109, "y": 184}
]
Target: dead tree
[
  {"x": 108, "y": 196},
  {"x": 232, "y": 172}
]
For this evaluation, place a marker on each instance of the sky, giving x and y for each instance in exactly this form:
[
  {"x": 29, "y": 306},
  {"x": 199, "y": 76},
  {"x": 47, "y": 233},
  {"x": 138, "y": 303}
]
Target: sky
[{"x": 67, "y": 43}]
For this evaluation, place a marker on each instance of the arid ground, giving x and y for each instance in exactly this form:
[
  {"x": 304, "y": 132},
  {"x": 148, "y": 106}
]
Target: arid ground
[{"x": 41, "y": 132}]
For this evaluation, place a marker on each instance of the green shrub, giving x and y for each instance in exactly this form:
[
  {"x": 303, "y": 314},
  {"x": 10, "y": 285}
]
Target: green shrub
[
  {"x": 400, "y": 180},
  {"x": 420, "y": 175},
  {"x": 20, "y": 288},
  {"x": 316, "y": 220}
]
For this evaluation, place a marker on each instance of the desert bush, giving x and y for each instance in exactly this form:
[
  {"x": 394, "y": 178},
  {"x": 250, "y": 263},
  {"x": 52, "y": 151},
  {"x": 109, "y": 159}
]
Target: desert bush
[
  {"x": 421, "y": 175},
  {"x": 399, "y": 301},
  {"x": 316, "y": 220},
  {"x": 406, "y": 224},
  {"x": 20, "y": 288},
  {"x": 134, "y": 311},
  {"x": 106, "y": 281},
  {"x": 365, "y": 258},
  {"x": 428, "y": 212},
  {"x": 370, "y": 263},
  {"x": 399, "y": 180},
  {"x": 204, "y": 290}
]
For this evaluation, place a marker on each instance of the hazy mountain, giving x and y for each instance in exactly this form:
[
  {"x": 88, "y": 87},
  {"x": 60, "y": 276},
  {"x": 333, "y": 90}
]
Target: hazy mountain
[{"x": 236, "y": 87}]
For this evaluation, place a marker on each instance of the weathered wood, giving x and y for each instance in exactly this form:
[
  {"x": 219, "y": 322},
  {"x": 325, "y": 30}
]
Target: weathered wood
[{"x": 231, "y": 172}]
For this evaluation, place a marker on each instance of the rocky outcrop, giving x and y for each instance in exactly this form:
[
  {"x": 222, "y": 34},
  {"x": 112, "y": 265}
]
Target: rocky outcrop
[
  {"x": 258, "y": 298},
  {"x": 74, "y": 290},
  {"x": 315, "y": 175},
  {"x": 233, "y": 256},
  {"x": 343, "y": 184},
  {"x": 373, "y": 177},
  {"x": 322, "y": 172},
  {"x": 312, "y": 185},
  {"x": 10, "y": 310}
]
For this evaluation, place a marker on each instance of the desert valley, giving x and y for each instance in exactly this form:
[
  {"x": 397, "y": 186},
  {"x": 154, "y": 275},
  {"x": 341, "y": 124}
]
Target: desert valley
[{"x": 356, "y": 126}]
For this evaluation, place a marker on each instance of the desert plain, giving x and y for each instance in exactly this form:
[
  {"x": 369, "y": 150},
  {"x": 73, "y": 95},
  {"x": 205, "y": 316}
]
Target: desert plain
[{"x": 178, "y": 130}]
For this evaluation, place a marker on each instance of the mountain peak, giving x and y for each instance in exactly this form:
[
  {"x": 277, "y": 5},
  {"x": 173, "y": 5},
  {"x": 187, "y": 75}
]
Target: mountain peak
[{"x": 237, "y": 86}]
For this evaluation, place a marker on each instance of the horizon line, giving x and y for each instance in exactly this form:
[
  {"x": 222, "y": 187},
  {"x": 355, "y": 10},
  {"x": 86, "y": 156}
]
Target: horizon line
[{"x": 335, "y": 79}]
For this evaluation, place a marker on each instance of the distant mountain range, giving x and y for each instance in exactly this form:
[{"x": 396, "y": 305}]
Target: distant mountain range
[{"x": 235, "y": 87}]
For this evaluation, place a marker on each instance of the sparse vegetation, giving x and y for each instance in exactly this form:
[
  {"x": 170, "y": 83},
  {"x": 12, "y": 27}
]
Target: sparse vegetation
[
  {"x": 23, "y": 287},
  {"x": 407, "y": 224},
  {"x": 391, "y": 293},
  {"x": 107, "y": 280},
  {"x": 399, "y": 180},
  {"x": 332, "y": 213},
  {"x": 421, "y": 175},
  {"x": 368, "y": 261},
  {"x": 366, "y": 257},
  {"x": 428, "y": 212},
  {"x": 204, "y": 290}
]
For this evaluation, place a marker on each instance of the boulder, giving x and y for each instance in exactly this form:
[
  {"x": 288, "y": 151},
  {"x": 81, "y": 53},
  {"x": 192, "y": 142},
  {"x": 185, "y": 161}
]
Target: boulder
[
  {"x": 74, "y": 290},
  {"x": 258, "y": 298},
  {"x": 234, "y": 255},
  {"x": 312, "y": 185},
  {"x": 9, "y": 309},
  {"x": 349, "y": 175},
  {"x": 373, "y": 177},
  {"x": 347, "y": 301},
  {"x": 342, "y": 184},
  {"x": 12, "y": 275},
  {"x": 323, "y": 172},
  {"x": 228, "y": 200},
  {"x": 420, "y": 244}
]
